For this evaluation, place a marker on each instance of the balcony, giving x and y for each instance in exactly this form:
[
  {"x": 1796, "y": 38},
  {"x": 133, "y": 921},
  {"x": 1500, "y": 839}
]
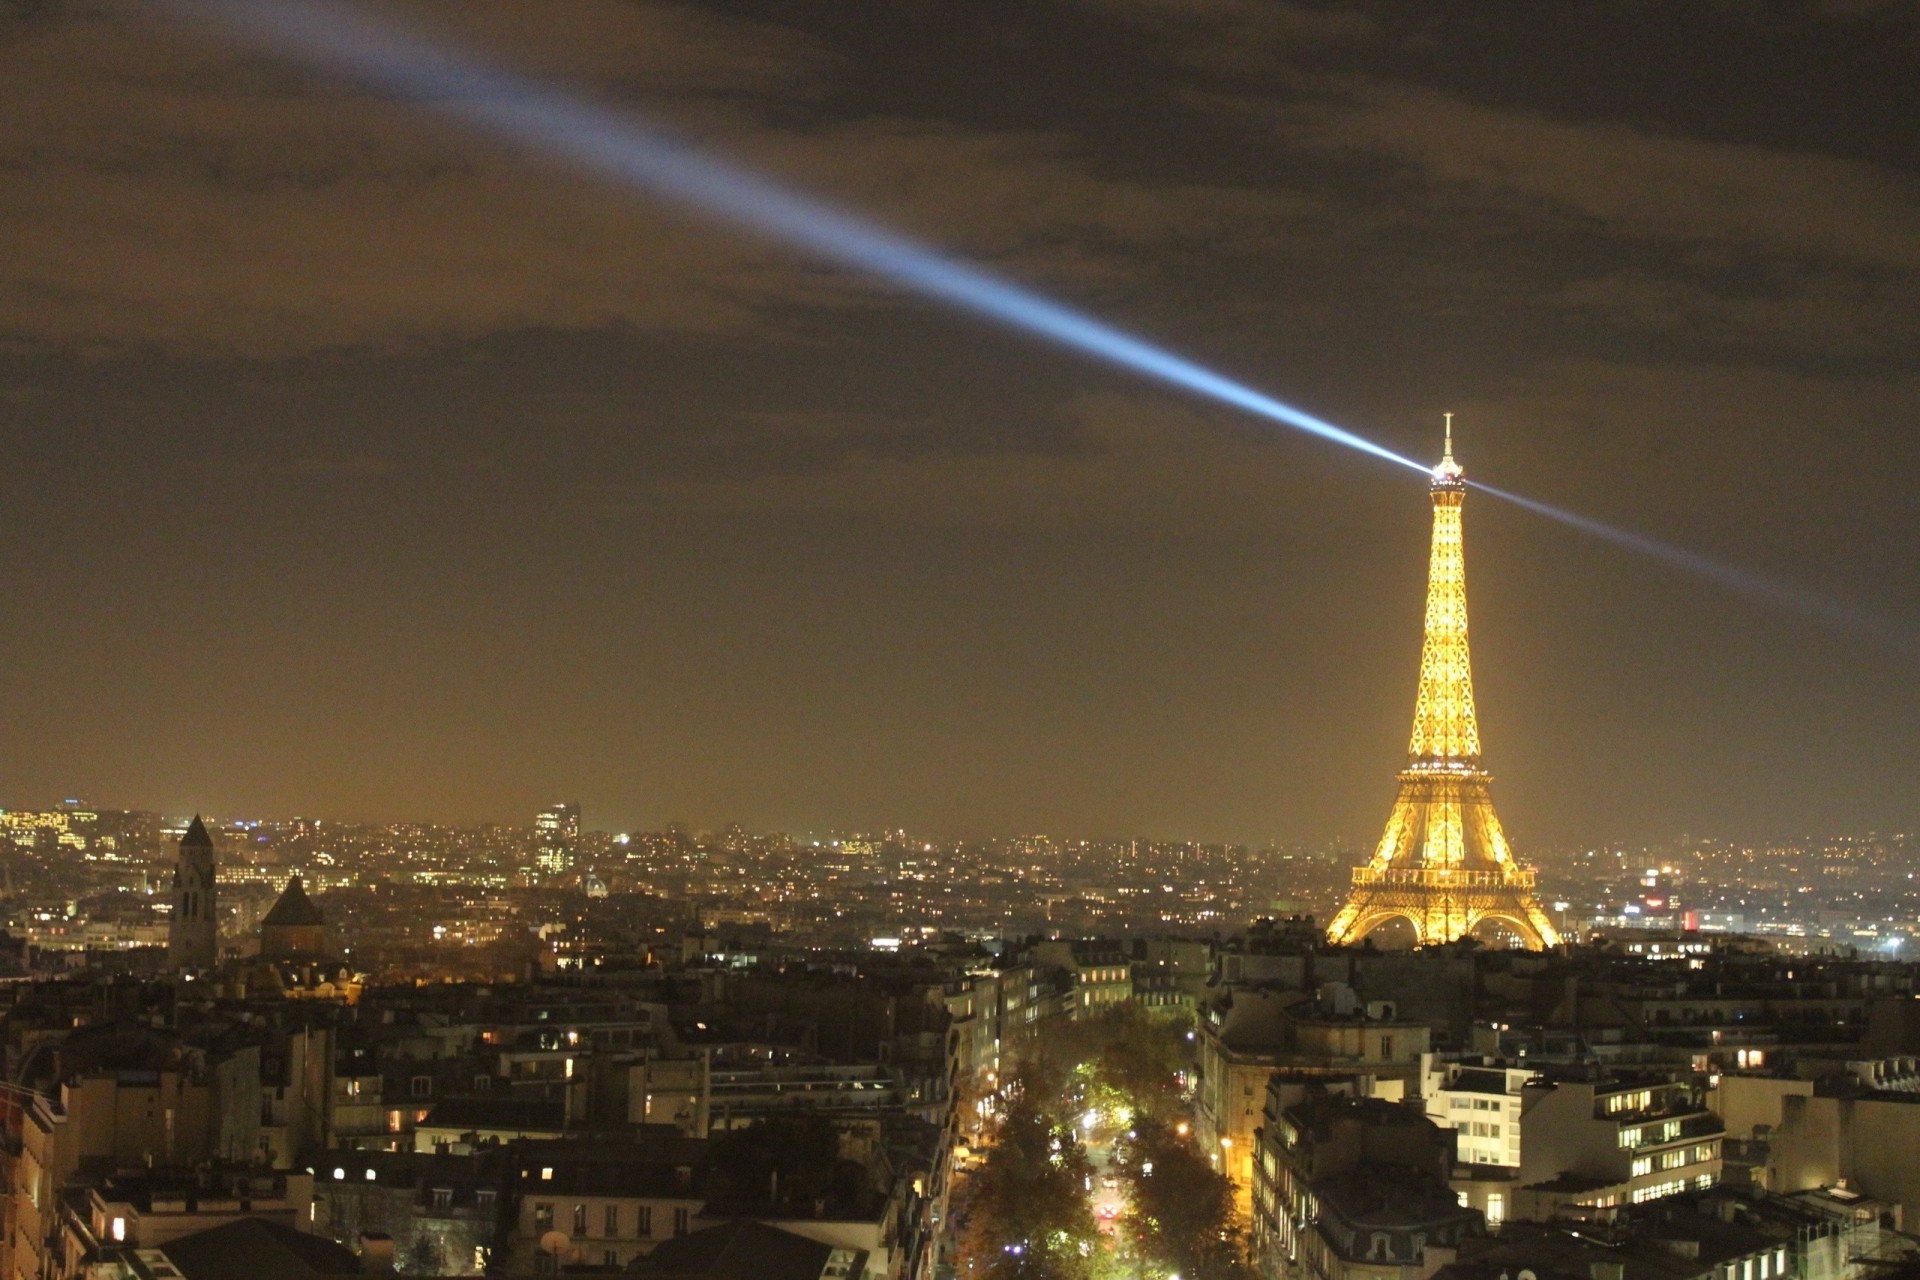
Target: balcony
[
  {"x": 1443, "y": 878},
  {"x": 1652, "y": 1133}
]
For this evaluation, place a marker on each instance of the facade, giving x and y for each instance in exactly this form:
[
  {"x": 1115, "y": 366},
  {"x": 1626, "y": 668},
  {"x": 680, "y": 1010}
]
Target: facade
[
  {"x": 1861, "y": 1142},
  {"x": 1251, "y": 1037},
  {"x": 443, "y": 1214},
  {"x": 1616, "y": 1142},
  {"x": 1444, "y": 866},
  {"x": 193, "y": 930},
  {"x": 1481, "y": 1104},
  {"x": 1101, "y": 972},
  {"x": 1353, "y": 1189},
  {"x": 577, "y": 1207}
]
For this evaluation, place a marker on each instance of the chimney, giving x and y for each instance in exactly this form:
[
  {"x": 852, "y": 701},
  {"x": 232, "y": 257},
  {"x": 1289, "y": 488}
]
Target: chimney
[{"x": 376, "y": 1253}]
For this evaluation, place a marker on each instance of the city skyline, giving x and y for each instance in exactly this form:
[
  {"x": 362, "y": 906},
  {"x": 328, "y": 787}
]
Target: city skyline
[{"x": 405, "y": 473}]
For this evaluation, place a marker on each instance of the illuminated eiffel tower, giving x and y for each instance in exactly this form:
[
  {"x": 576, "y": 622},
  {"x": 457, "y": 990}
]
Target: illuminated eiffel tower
[{"x": 1443, "y": 864}]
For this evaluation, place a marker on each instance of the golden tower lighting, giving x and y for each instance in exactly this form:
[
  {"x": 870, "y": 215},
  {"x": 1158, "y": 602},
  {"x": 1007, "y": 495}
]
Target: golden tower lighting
[{"x": 1444, "y": 865}]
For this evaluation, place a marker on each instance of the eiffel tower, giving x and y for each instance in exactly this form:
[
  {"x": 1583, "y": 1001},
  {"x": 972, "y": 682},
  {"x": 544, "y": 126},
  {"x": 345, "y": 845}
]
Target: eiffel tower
[{"x": 1444, "y": 865}]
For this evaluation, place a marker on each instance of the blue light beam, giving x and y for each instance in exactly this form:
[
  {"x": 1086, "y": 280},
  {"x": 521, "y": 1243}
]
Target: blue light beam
[{"x": 347, "y": 42}]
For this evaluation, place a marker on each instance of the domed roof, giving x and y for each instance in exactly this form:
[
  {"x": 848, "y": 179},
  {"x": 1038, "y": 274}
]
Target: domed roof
[{"x": 294, "y": 908}]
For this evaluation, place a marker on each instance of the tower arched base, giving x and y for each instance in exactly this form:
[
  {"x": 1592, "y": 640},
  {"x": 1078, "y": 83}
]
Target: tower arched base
[{"x": 1440, "y": 916}]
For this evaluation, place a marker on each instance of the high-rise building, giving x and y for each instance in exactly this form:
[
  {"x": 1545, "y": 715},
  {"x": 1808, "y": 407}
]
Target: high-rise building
[
  {"x": 193, "y": 931},
  {"x": 1444, "y": 865},
  {"x": 556, "y": 829}
]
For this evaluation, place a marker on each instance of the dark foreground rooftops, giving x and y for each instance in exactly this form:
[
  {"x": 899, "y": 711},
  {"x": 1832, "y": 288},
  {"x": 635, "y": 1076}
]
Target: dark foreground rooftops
[
  {"x": 248, "y": 1249},
  {"x": 748, "y": 1251}
]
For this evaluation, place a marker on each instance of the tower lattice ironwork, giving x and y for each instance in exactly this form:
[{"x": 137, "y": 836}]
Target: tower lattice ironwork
[{"x": 1444, "y": 864}]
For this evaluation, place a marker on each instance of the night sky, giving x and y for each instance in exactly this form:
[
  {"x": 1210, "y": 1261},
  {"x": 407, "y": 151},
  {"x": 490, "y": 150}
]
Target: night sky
[{"x": 358, "y": 465}]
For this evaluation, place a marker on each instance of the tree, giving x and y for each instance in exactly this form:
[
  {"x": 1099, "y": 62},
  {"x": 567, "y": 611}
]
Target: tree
[
  {"x": 1181, "y": 1212},
  {"x": 1026, "y": 1214},
  {"x": 786, "y": 1162},
  {"x": 1140, "y": 1058}
]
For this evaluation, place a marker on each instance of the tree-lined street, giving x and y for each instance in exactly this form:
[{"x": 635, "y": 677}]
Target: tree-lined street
[{"x": 1088, "y": 1168}]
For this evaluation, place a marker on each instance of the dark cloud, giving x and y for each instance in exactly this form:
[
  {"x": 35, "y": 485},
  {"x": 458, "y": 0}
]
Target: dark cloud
[{"x": 181, "y": 196}]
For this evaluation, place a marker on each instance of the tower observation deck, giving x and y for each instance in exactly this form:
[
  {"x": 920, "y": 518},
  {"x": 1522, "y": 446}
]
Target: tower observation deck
[{"x": 1444, "y": 864}]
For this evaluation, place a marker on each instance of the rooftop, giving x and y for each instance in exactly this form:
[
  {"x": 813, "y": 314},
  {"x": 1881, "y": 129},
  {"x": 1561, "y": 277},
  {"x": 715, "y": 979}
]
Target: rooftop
[
  {"x": 248, "y": 1249},
  {"x": 294, "y": 908},
  {"x": 743, "y": 1251}
]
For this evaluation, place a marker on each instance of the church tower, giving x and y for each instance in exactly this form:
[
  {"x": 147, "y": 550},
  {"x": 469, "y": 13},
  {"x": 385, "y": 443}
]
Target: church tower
[
  {"x": 193, "y": 932},
  {"x": 1444, "y": 865}
]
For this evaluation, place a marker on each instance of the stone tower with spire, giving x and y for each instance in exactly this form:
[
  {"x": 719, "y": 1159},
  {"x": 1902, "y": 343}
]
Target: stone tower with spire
[
  {"x": 193, "y": 931},
  {"x": 1444, "y": 865}
]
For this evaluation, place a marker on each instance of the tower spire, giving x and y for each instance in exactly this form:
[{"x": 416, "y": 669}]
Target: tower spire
[
  {"x": 1446, "y": 730},
  {"x": 1448, "y": 468}
]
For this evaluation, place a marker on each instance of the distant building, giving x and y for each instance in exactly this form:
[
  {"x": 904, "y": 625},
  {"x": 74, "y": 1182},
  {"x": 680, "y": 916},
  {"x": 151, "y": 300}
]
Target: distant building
[
  {"x": 1100, "y": 970},
  {"x": 557, "y": 830},
  {"x": 193, "y": 931},
  {"x": 294, "y": 927}
]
